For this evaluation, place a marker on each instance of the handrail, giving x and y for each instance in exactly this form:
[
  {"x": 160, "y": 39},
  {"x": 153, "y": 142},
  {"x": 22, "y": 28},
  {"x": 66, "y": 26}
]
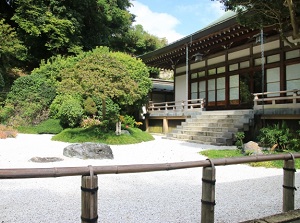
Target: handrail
[
  {"x": 277, "y": 101},
  {"x": 176, "y": 105},
  {"x": 278, "y": 92},
  {"x": 18, "y": 173}
]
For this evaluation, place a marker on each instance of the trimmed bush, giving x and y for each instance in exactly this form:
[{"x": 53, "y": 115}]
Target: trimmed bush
[{"x": 70, "y": 113}]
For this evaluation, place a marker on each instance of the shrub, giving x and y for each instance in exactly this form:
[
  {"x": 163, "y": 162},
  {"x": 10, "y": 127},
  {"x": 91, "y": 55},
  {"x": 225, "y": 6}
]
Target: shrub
[
  {"x": 90, "y": 122},
  {"x": 112, "y": 110},
  {"x": 70, "y": 113},
  {"x": 7, "y": 132},
  {"x": 127, "y": 121},
  {"x": 30, "y": 98},
  {"x": 277, "y": 137},
  {"x": 90, "y": 108},
  {"x": 239, "y": 140}
]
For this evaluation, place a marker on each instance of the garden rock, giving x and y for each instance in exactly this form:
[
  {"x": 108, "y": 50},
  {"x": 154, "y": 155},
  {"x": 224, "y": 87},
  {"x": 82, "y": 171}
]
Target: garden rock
[
  {"x": 89, "y": 151},
  {"x": 252, "y": 148},
  {"x": 45, "y": 159}
]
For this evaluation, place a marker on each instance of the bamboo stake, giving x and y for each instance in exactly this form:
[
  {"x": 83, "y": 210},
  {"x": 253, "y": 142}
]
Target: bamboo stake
[
  {"x": 208, "y": 194},
  {"x": 289, "y": 185},
  {"x": 89, "y": 199}
]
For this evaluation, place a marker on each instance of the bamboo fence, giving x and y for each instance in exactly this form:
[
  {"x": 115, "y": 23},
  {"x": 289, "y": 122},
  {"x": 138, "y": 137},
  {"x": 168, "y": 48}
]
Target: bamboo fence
[{"x": 89, "y": 187}]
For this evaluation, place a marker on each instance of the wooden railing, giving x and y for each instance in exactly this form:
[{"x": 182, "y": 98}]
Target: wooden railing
[
  {"x": 176, "y": 105},
  {"x": 291, "y": 99},
  {"x": 89, "y": 184}
]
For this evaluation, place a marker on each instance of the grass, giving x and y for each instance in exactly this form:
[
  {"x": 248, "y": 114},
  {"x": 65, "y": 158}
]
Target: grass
[
  {"x": 50, "y": 126},
  {"x": 217, "y": 154},
  {"x": 79, "y": 135}
]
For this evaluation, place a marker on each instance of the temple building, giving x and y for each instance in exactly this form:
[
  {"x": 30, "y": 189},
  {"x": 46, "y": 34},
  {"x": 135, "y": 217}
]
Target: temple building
[{"x": 227, "y": 69}]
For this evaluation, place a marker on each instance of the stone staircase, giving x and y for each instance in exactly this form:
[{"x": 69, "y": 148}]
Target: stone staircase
[{"x": 213, "y": 127}]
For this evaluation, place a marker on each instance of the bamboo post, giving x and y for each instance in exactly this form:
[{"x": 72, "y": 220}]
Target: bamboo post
[
  {"x": 89, "y": 198},
  {"x": 208, "y": 194},
  {"x": 289, "y": 185}
]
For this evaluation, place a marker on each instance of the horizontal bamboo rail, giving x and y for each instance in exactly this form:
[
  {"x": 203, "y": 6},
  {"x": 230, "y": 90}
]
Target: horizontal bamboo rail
[
  {"x": 89, "y": 188},
  {"x": 18, "y": 173}
]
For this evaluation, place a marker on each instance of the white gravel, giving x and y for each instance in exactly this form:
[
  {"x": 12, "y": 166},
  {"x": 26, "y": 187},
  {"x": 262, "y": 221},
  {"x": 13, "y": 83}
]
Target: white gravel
[{"x": 242, "y": 192}]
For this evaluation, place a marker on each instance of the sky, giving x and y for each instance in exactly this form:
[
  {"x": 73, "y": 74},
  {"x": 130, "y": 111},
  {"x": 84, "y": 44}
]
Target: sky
[{"x": 175, "y": 19}]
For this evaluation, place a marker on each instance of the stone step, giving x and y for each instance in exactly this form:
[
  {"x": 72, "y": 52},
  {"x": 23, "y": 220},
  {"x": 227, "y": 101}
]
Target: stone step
[
  {"x": 210, "y": 129},
  {"x": 204, "y": 139},
  {"x": 215, "y": 120},
  {"x": 229, "y": 112},
  {"x": 207, "y": 133},
  {"x": 196, "y": 141},
  {"x": 213, "y": 127}
]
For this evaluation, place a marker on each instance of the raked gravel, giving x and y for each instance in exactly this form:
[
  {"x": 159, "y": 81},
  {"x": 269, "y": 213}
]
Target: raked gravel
[{"x": 242, "y": 192}]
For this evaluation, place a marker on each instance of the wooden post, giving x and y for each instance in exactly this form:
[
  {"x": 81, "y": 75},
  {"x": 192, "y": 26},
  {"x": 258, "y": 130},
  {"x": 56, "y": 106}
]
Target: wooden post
[
  {"x": 89, "y": 199},
  {"x": 208, "y": 194},
  {"x": 165, "y": 125},
  {"x": 289, "y": 185}
]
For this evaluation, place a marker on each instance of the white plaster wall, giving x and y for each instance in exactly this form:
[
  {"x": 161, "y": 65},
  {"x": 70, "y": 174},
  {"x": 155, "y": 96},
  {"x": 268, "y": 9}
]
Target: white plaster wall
[{"x": 180, "y": 88}]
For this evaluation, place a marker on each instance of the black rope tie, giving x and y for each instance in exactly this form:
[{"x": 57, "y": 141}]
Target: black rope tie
[
  {"x": 212, "y": 182},
  {"x": 289, "y": 187},
  {"x": 290, "y": 169},
  {"x": 89, "y": 220},
  {"x": 212, "y": 203},
  {"x": 90, "y": 190}
]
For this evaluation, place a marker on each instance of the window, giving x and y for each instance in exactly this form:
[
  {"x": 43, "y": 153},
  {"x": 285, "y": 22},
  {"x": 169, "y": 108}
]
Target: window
[
  {"x": 201, "y": 73},
  {"x": 212, "y": 71},
  {"x": 244, "y": 64},
  {"x": 194, "y": 75},
  {"x": 273, "y": 81},
  {"x": 273, "y": 58},
  {"x": 194, "y": 90},
  {"x": 292, "y": 54},
  {"x": 257, "y": 61},
  {"x": 293, "y": 77},
  {"x": 233, "y": 67},
  {"x": 211, "y": 90},
  {"x": 202, "y": 89},
  {"x": 234, "y": 89},
  {"x": 221, "y": 89}
]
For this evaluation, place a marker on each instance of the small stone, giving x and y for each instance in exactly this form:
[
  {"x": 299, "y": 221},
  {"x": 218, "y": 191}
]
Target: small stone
[
  {"x": 252, "y": 148},
  {"x": 89, "y": 151},
  {"x": 45, "y": 159}
]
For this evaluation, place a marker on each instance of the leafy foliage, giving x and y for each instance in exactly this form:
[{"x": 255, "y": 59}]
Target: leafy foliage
[
  {"x": 137, "y": 41},
  {"x": 283, "y": 15},
  {"x": 7, "y": 132},
  {"x": 51, "y": 28},
  {"x": 70, "y": 112},
  {"x": 105, "y": 75},
  {"x": 90, "y": 108},
  {"x": 279, "y": 137},
  {"x": 12, "y": 53},
  {"x": 239, "y": 140},
  {"x": 29, "y": 100}
]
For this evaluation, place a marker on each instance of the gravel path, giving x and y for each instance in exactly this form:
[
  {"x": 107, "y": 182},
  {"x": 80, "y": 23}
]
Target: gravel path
[{"x": 242, "y": 192}]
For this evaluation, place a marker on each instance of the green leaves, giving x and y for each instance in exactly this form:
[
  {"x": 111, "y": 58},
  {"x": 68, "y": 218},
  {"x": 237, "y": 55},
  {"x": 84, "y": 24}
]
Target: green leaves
[{"x": 282, "y": 15}]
